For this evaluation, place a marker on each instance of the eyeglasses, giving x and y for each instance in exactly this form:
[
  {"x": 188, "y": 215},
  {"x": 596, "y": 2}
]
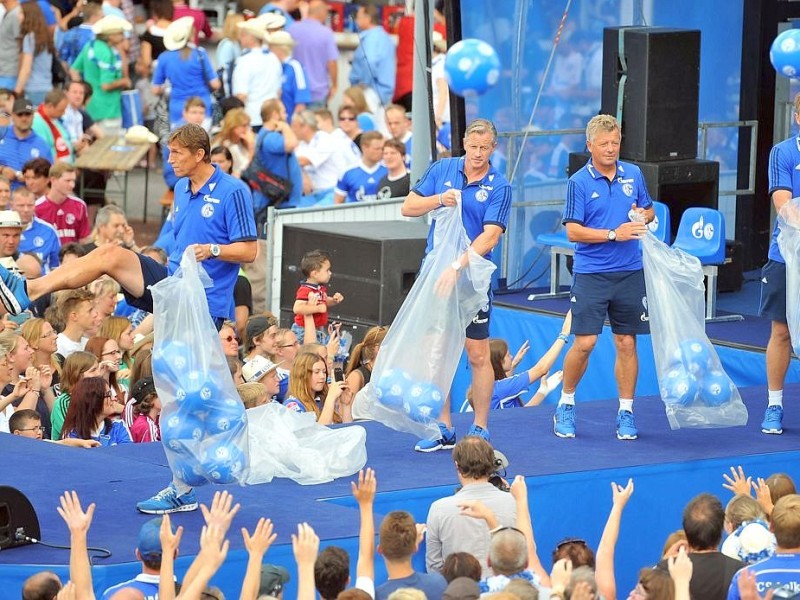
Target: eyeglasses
[
  {"x": 230, "y": 339},
  {"x": 112, "y": 352},
  {"x": 108, "y": 395},
  {"x": 39, "y": 428},
  {"x": 50, "y": 333},
  {"x": 289, "y": 345},
  {"x": 347, "y": 118},
  {"x": 569, "y": 540}
]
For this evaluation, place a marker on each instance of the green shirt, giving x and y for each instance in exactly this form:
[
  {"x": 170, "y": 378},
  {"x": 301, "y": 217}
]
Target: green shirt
[
  {"x": 57, "y": 416},
  {"x": 42, "y": 129},
  {"x": 99, "y": 64}
]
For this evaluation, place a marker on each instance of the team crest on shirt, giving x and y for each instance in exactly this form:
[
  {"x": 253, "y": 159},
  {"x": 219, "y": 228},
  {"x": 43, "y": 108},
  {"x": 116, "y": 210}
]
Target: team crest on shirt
[
  {"x": 38, "y": 242},
  {"x": 481, "y": 195},
  {"x": 70, "y": 219},
  {"x": 207, "y": 210},
  {"x": 627, "y": 189},
  {"x": 35, "y": 152}
]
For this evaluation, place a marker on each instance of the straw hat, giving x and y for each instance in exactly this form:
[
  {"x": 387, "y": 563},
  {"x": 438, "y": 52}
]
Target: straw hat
[
  {"x": 270, "y": 21},
  {"x": 178, "y": 33},
  {"x": 111, "y": 24},
  {"x": 253, "y": 27},
  {"x": 10, "y": 218},
  {"x": 280, "y": 38},
  {"x": 139, "y": 134}
]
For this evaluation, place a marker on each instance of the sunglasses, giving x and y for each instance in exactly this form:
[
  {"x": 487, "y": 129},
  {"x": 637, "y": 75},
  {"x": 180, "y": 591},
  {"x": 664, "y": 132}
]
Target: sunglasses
[
  {"x": 569, "y": 540},
  {"x": 230, "y": 339}
]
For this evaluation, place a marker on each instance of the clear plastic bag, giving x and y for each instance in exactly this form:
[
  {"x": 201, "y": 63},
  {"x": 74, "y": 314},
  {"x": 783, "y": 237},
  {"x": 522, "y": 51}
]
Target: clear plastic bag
[
  {"x": 789, "y": 244},
  {"x": 203, "y": 423},
  {"x": 284, "y": 443},
  {"x": 419, "y": 356},
  {"x": 694, "y": 387}
]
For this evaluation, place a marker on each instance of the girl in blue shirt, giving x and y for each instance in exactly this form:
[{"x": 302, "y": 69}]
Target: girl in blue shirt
[
  {"x": 309, "y": 390},
  {"x": 508, "y": 388},
  {"x": 89, "y": 414}
]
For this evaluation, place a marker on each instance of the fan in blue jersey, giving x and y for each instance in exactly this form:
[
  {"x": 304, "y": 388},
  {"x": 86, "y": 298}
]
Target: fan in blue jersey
[
  {"x": 38, "y": 236},
  {"x": 294, "y": 89},
  {"x": 148, "y": 552},
  {"x": 361, "y": 183}
]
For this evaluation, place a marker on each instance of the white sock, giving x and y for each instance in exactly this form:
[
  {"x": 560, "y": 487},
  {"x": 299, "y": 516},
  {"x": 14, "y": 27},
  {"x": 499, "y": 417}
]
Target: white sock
[
  {"x": 775, "y": 397},
  {"x": 626, "y": 404},
  {"x": 567, "y": 398},
  {"x": 181, "y": 487}
]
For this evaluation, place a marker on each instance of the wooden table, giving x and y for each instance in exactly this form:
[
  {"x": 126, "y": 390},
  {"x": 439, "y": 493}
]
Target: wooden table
[{"x": 114, "y": 153}]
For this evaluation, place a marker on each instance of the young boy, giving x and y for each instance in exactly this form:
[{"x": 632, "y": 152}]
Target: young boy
[
  {"x": 253, "y": 394},
  {"x": 316, "y": 266},
  {"x": 28, "y": 423},
  {"x": 262, "y": 371}
]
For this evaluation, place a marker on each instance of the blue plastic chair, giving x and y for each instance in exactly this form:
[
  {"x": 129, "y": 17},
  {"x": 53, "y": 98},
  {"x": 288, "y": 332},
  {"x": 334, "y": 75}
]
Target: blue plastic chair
[
  {"x": 661, "y": 225},
  {"x": 701, "y": 233}
]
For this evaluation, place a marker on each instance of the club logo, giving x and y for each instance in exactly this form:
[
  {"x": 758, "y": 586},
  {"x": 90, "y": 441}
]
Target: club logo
[{"x": 207, "y": 210}]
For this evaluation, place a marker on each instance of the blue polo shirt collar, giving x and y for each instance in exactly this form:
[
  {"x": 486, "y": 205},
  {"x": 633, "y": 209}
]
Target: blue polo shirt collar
[
  {"x": 208, "y": 186},
  {"x": 598, "y": 175},
  {"x": 487, "y": 179}
]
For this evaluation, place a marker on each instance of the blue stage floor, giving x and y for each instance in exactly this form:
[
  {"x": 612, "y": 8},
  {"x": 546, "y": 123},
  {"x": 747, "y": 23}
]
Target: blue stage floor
[{"x": 568, "y": 482}]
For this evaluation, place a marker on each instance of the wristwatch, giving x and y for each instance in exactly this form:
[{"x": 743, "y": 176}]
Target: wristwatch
[
  {"x": 456, "y": 265},
  {"x": 612, "y": 235},
  {"x": 214, "y": 249}
]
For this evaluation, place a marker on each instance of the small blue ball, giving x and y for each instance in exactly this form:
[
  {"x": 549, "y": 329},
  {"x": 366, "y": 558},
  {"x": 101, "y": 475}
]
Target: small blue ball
[
  {"x": 181, "y": 430},
  {"x": 679, "y": 386},
  {"x": 225, "y": 416},
  {"x": 471, "y": 67},
  {"x": 392, "y": 388},
  {"x": 173, "y": 360},
  {"x": 695, "y": 355},
  {"x": 223, "y": 462},
  {"x": 188, "y": 470},
  {"x": 716, "y": 389},
  {"x": 424, "y": 402},
  {"x": 784, "y": 54}
]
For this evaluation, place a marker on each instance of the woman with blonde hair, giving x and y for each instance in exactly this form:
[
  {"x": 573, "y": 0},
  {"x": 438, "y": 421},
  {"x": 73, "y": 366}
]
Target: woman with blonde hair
[
  {"x": 105, "y": 292},
  {"x": 359, "y": 369},
  {"x": 237, "y": 135},
  {"x": 23, "y": 391},
  {"x": 228, "y": 49},
  {"x": 120, "y": 330},
  {"x": 309, "y": 390},
  {"x": 42, "y": 339}
]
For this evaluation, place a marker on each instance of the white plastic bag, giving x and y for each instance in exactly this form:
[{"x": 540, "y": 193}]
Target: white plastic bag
[
  {"x": 694, "y": 387},
  {"x": 789, "y": 243},
  {"x": 284, "y": 443},
  {"x": 419, "y": 356},
  {"x": 203, "y": 424}
]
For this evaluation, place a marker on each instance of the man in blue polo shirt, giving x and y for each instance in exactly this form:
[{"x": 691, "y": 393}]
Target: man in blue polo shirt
[
  {"x": 362, "y": 182},
  {"x": 485, "y": 206},
  {"x": 608, "y": 276},
  {"x": 784, "y": 184},
  {"x": 21, "y": 144},
  {"x": 38, "y": 236}
]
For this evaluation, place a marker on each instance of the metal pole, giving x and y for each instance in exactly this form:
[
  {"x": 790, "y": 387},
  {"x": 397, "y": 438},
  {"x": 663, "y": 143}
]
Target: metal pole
[{"x": 421, "y": 150}]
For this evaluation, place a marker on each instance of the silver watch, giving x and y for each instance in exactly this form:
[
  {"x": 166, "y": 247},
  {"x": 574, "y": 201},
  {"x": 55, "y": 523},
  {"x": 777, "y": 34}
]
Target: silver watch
[{"x": 214, "y": 249}]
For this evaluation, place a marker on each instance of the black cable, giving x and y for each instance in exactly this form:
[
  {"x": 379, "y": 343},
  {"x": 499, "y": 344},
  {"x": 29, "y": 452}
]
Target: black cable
[{"x": 101, "y": 552}]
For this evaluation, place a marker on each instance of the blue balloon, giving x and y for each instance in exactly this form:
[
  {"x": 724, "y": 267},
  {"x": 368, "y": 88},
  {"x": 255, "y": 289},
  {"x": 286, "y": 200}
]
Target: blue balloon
[
  {"x": 223, "y": 462},
  {"x": 717, "y": 388},
  {"x": 471, "y": 67},
  {"x": 188, "y": 470},
  {"x": 679, "y": 386},
  {"x": 181, "y": 430},
  {"x": 424, "y": 402},
  {"x": 392, "y": 388},
  {"x": 784, "y": 54},
  {"x": 225, "y": 416},
  {"x": 695, "y": 356}
]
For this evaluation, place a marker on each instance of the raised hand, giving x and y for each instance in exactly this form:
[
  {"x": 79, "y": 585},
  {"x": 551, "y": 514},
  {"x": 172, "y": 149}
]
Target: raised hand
[
  {"x": 261, "y": 539},
  {"x": 364, "y": 490},
  {"x": 620, "y": 495},
  {"x": 519, "y": 489},
  {"x": 737, "y": 482},
  {"x": 764, "y": 496},
  {"x": 170, "y": 542},
  {"x": 305, "y": 544},
  {"x": 73, "y": 514},
  {"x": 221, "y": 512},
  {"x": 561, "y": 574},
  {"x": 680, "y": 567}
]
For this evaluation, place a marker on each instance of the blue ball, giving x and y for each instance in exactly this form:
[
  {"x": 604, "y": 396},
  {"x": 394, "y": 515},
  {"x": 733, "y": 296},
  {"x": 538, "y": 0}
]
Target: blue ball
[
  {"x": 471, "y": 67},
  {"x": 679, "y": 386},
  {"x": 424, "y": 402},
  {"x": 695, "y": 356},
  {"x": 223, "y": 462},
  {"x": 225, "y": 416},
  {"x": 181, "y": 430},
  {"x": 716, "y": 389},
  {"x": 188, "y": 470},
  {"x": 196, "y": 391},
  {"x": 173, "y": 360},
  {"x": 784, "y": 54},
  {"x": 392, "y": 387}
]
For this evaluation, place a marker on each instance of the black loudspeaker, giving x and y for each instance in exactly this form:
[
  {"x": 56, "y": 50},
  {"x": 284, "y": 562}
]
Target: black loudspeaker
[
  {"x": 660, "y": 93},
  {"x": 679, "y": 184},
  {"x": 374, "y": 265},
  {"x": 16, "y": 515}
]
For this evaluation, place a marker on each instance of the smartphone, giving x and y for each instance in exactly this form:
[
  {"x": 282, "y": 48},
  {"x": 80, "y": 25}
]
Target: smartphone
[{"x": 338, "y": 374}]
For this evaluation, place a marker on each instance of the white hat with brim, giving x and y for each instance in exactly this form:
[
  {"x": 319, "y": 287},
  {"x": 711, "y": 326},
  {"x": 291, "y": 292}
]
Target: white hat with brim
[
  {"x": 139, "y": 134},
  {"x": 178, "y": 33},
  {"x": 254, "y": 370},
  {"x": 10, "y": 218},
  {"x": 270, "y": 21},
  {"x": 281, "y": 38},
  {"x": 252, "y": 27},
  {"x": 111, "y": 24}
]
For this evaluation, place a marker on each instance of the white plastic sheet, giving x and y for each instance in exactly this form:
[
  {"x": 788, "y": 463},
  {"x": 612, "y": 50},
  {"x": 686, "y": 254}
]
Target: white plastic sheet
[
  {"x": 789, "y": 244},
  {"x": 419, "y": 356},
  {"x": 694, "y": 387}
]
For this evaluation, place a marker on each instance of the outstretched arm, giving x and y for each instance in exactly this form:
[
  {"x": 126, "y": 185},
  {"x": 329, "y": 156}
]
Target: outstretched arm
[
  {"x": 257, "y": 546},
  {"x": 519, "y": 490},
  {"x": 170, "y": 542},
  {"x": 364, "y": 492},
  {"x": 306, "y": 547},
  {"x": 604, "y": 571},
  {"x": 78, "y": 522}
]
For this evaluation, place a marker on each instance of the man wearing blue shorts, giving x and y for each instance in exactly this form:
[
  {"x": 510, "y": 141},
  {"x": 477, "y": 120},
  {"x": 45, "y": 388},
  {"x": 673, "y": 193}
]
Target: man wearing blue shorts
[
  {"x": 212, "y": 213},
  {"x": 486, "y": 203},
  {"x": 784, "y": 184},
  {"x": 608, "y": 276}
]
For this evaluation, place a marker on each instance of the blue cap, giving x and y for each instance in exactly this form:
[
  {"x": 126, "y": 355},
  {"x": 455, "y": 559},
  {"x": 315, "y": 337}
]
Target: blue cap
[{"x": 149, "y": 543}]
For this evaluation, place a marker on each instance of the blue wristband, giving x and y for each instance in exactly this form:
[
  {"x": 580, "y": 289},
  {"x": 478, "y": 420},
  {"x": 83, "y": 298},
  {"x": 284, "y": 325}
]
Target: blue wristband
[{"x": 563, "y": 337}]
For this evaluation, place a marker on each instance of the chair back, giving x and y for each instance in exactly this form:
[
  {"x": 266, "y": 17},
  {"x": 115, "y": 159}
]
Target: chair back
[
  {"x": 701, "y": 233},
  {"x": 661, "y": 225}
]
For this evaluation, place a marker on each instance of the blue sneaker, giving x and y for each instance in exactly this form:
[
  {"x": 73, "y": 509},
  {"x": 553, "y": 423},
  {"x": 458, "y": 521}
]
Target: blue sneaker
[
  {"x": 773, "y": 420},
  {"x": 479, "y": 431},
  {"x": 564, "y": 421},
  {"x": 168, "y": 501},
  {"x": 626, "y": 426},
  {"x": 446, "y": 442},
  {"x": 13, "y": 295}
]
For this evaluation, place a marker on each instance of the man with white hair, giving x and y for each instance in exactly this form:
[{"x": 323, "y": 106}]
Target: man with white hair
[
  {"x": 257, "y": 73},
  {"x": 317, "y": 156}
]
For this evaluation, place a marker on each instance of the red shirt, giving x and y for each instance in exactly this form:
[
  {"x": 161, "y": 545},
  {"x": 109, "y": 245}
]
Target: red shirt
[
  {"x": 404, "y": 79},
  {"x": 200, "y": 21},
  {"x": 144, "y": 429},
  {"x": 320, "y": 319},
  {"x": 70, "y": 218}
]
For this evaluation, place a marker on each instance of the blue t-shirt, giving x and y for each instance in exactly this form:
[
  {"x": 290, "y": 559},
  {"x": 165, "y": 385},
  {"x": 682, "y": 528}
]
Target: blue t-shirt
[
  {"x": 780, "y": 570},
  {"x": 361, "y": 183},
  {"x": 283, "y": 385},
  {"x": 41, "y": 238},
  {"x": 293, "y": 403},
  {"x": 221, "y": 212},
  {"x": 433, "y": 584},
  {"x": 15, "y": 152},
  {"x": 484, "y": 202},
  {"x": 111, "y": 435},
  {"x": 294, "y": 89},
  {"x": 272, "y": 154},
  {"x": 506, "y": 392},
  {"x": 374, "y": 62},
  {"x": 146, "y": 584},
  {"x": 271, "y": 8},
  {"x": 73, "y": 41},
  {"x": 594, "y": 201},
  {"x": 784, "y": 162},
  {"x": 188, "y": 77}
]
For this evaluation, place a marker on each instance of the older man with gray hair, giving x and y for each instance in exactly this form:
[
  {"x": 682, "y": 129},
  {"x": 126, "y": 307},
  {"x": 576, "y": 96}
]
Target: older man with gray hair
[
  {"x": 111, "y": 226},
  {"x": 322, "y": 165}
]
